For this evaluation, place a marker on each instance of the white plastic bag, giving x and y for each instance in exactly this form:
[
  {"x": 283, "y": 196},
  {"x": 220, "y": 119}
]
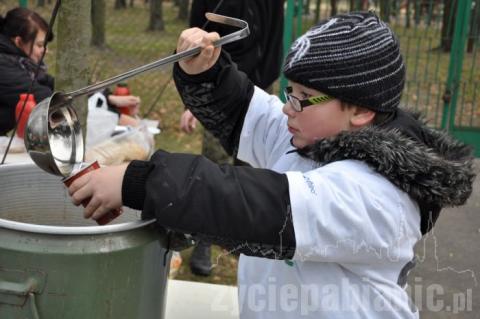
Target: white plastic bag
[
  {"x": 134, "y": 144},
  {"x": 100, "y": 121}
]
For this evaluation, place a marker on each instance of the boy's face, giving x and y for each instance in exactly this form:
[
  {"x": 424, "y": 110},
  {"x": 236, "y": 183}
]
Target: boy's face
[{"x": 316, "y": 121}]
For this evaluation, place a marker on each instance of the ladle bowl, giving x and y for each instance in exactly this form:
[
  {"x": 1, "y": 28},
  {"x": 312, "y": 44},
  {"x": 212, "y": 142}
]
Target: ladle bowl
[{"x": 53, "y": 136}]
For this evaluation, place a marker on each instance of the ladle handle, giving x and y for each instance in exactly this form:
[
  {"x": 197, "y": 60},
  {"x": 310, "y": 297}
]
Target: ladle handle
[{"x": 172, "y": 58}]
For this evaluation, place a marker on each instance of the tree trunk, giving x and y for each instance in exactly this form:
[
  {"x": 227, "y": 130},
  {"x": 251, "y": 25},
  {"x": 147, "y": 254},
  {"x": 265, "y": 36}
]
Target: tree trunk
[
  {"x": 474, "y": 35},
  {"x": 183, "y": 9},
  {"x": 385, "y": 10},
  {"x": 98, "y": 23},
  {"x": 407, "y": 8},
  {"x": 448, "y": 24},
  {"x": 120, "y": 4},
  {"x": 40, "y": 3},
  {"x": 318, "y": 9},
  {"x": 73, "y": 39},
  {"x": 333, "y": 4},
  {"x": 307, "y": 7},
  {"x": 365, "y": 5},
  {"x": 156, "y": 16}
]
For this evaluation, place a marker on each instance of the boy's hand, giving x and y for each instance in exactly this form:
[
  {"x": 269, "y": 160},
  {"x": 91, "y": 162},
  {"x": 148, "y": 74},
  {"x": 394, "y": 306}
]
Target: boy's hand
[
  {"x": 104, "y": 189},
  {"x": 196, "y": 37}
]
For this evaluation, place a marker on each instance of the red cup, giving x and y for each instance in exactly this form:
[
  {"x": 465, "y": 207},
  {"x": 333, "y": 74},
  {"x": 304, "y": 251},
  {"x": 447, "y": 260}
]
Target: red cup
[{"x": 108, "y": 217}]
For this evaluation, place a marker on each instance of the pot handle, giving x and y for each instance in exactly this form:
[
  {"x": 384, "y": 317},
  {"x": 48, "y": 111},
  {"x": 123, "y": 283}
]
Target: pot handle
[{"x": 23, "y": 292}]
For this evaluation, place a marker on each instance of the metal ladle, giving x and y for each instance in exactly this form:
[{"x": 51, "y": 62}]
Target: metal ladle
[{"x": 53, "y": 134}]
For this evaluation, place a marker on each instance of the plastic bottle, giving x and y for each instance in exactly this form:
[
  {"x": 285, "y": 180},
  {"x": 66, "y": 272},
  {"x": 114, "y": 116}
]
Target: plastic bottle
[
  {"x": 122, "y": 90},
  {"x": 29, "y": 105}
]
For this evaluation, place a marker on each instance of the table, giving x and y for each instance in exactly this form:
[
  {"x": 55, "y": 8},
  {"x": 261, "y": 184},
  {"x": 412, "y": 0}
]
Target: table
[
  {"x": 195, "y": 300},
  {"x": 16, "y": 158}
]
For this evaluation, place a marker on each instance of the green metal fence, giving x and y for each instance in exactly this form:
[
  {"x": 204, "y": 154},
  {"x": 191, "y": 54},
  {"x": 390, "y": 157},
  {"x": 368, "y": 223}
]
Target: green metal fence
[{"x": 440, "y": 44}]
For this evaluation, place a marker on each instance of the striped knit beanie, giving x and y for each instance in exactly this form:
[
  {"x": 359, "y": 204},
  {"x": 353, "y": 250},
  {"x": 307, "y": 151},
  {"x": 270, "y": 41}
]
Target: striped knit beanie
[{"x": 353, "y": 57}]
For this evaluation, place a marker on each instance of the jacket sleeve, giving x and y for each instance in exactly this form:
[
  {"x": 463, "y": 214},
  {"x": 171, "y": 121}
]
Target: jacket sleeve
[
  {"x": 244, "y": 209},
  {"x": 218, "y": 98}
]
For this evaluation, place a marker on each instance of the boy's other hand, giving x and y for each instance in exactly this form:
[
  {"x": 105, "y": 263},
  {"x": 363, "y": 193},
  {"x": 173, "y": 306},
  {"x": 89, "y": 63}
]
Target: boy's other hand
[{"x": 196, "y": 37}]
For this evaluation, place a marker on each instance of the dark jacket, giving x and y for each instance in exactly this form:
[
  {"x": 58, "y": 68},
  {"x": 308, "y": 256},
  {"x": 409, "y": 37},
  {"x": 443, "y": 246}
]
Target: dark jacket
[
  {"x": 16, "y": 74},
  {"x": 260, "y": 54},
  {"x": 249, "y": 208}
]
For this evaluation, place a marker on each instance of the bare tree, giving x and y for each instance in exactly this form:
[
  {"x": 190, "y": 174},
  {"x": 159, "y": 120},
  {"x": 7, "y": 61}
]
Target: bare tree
[
  {"x": 183, "y": 9},
  {"x": 474, "y": 35},
  {"x": 156, "y": 16},
  {"x": 385, "y": 10},
  {"x": 448, "y": 24},
  {"x": 333, "y": 4},
  {"x": 307, "y": 7},
  {"x": 407, "y": 8},
  {"x": 98, "y": 23},
  {"x": 120, "y": 4},
  {"x": 73, "y": 39},
  {"x": 318, "y": 8}
]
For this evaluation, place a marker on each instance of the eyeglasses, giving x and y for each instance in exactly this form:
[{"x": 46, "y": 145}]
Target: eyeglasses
[{"x": 298, "y": 104}]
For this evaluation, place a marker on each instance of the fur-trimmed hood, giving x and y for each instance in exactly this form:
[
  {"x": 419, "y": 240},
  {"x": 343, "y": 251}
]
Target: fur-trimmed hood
[{"x": 433, "y": 168}]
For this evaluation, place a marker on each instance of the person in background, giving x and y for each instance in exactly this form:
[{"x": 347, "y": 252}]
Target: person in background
[
  {"x": 118, "y": 101},
  {"x": 343, "y": 182},
  {"x": 259, "y": 55},
  {"x": 22, "y": 43}
]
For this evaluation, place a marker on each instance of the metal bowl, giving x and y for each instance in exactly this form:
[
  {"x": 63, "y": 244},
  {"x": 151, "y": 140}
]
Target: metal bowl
[{"x": 53, "y": 136}]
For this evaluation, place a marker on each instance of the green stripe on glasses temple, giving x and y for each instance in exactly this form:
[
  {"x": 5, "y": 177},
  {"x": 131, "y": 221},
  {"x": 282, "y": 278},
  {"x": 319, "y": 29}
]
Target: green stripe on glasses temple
[
  {"x": 300, "y": 104},
  {"x": 319, "y": 99}
]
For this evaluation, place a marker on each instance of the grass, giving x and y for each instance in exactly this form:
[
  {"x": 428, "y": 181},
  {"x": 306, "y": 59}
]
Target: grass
[{"x": 224, "y": 268}]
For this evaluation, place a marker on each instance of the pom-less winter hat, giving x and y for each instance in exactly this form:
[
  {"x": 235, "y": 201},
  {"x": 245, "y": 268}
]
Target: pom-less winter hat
[{"x": 353, "y": 57}]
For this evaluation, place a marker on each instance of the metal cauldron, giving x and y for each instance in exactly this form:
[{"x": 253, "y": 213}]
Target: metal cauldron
[{"x": 56, "y": 264}]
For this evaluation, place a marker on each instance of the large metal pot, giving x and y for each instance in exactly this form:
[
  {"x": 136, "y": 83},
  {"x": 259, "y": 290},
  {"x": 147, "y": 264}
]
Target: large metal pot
[{"x": 55, "y": 264}]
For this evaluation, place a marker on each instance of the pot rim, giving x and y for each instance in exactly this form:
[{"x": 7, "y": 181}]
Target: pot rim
[{"x": 73, "y": 230}]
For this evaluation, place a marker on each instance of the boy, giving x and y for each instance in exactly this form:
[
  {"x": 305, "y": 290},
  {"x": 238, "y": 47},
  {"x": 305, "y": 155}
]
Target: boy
[{"x": 345, "y": 183}]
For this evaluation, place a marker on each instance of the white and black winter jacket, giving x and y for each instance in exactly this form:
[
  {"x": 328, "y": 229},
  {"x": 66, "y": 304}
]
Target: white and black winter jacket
[{"x": 335, "y": 223}]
